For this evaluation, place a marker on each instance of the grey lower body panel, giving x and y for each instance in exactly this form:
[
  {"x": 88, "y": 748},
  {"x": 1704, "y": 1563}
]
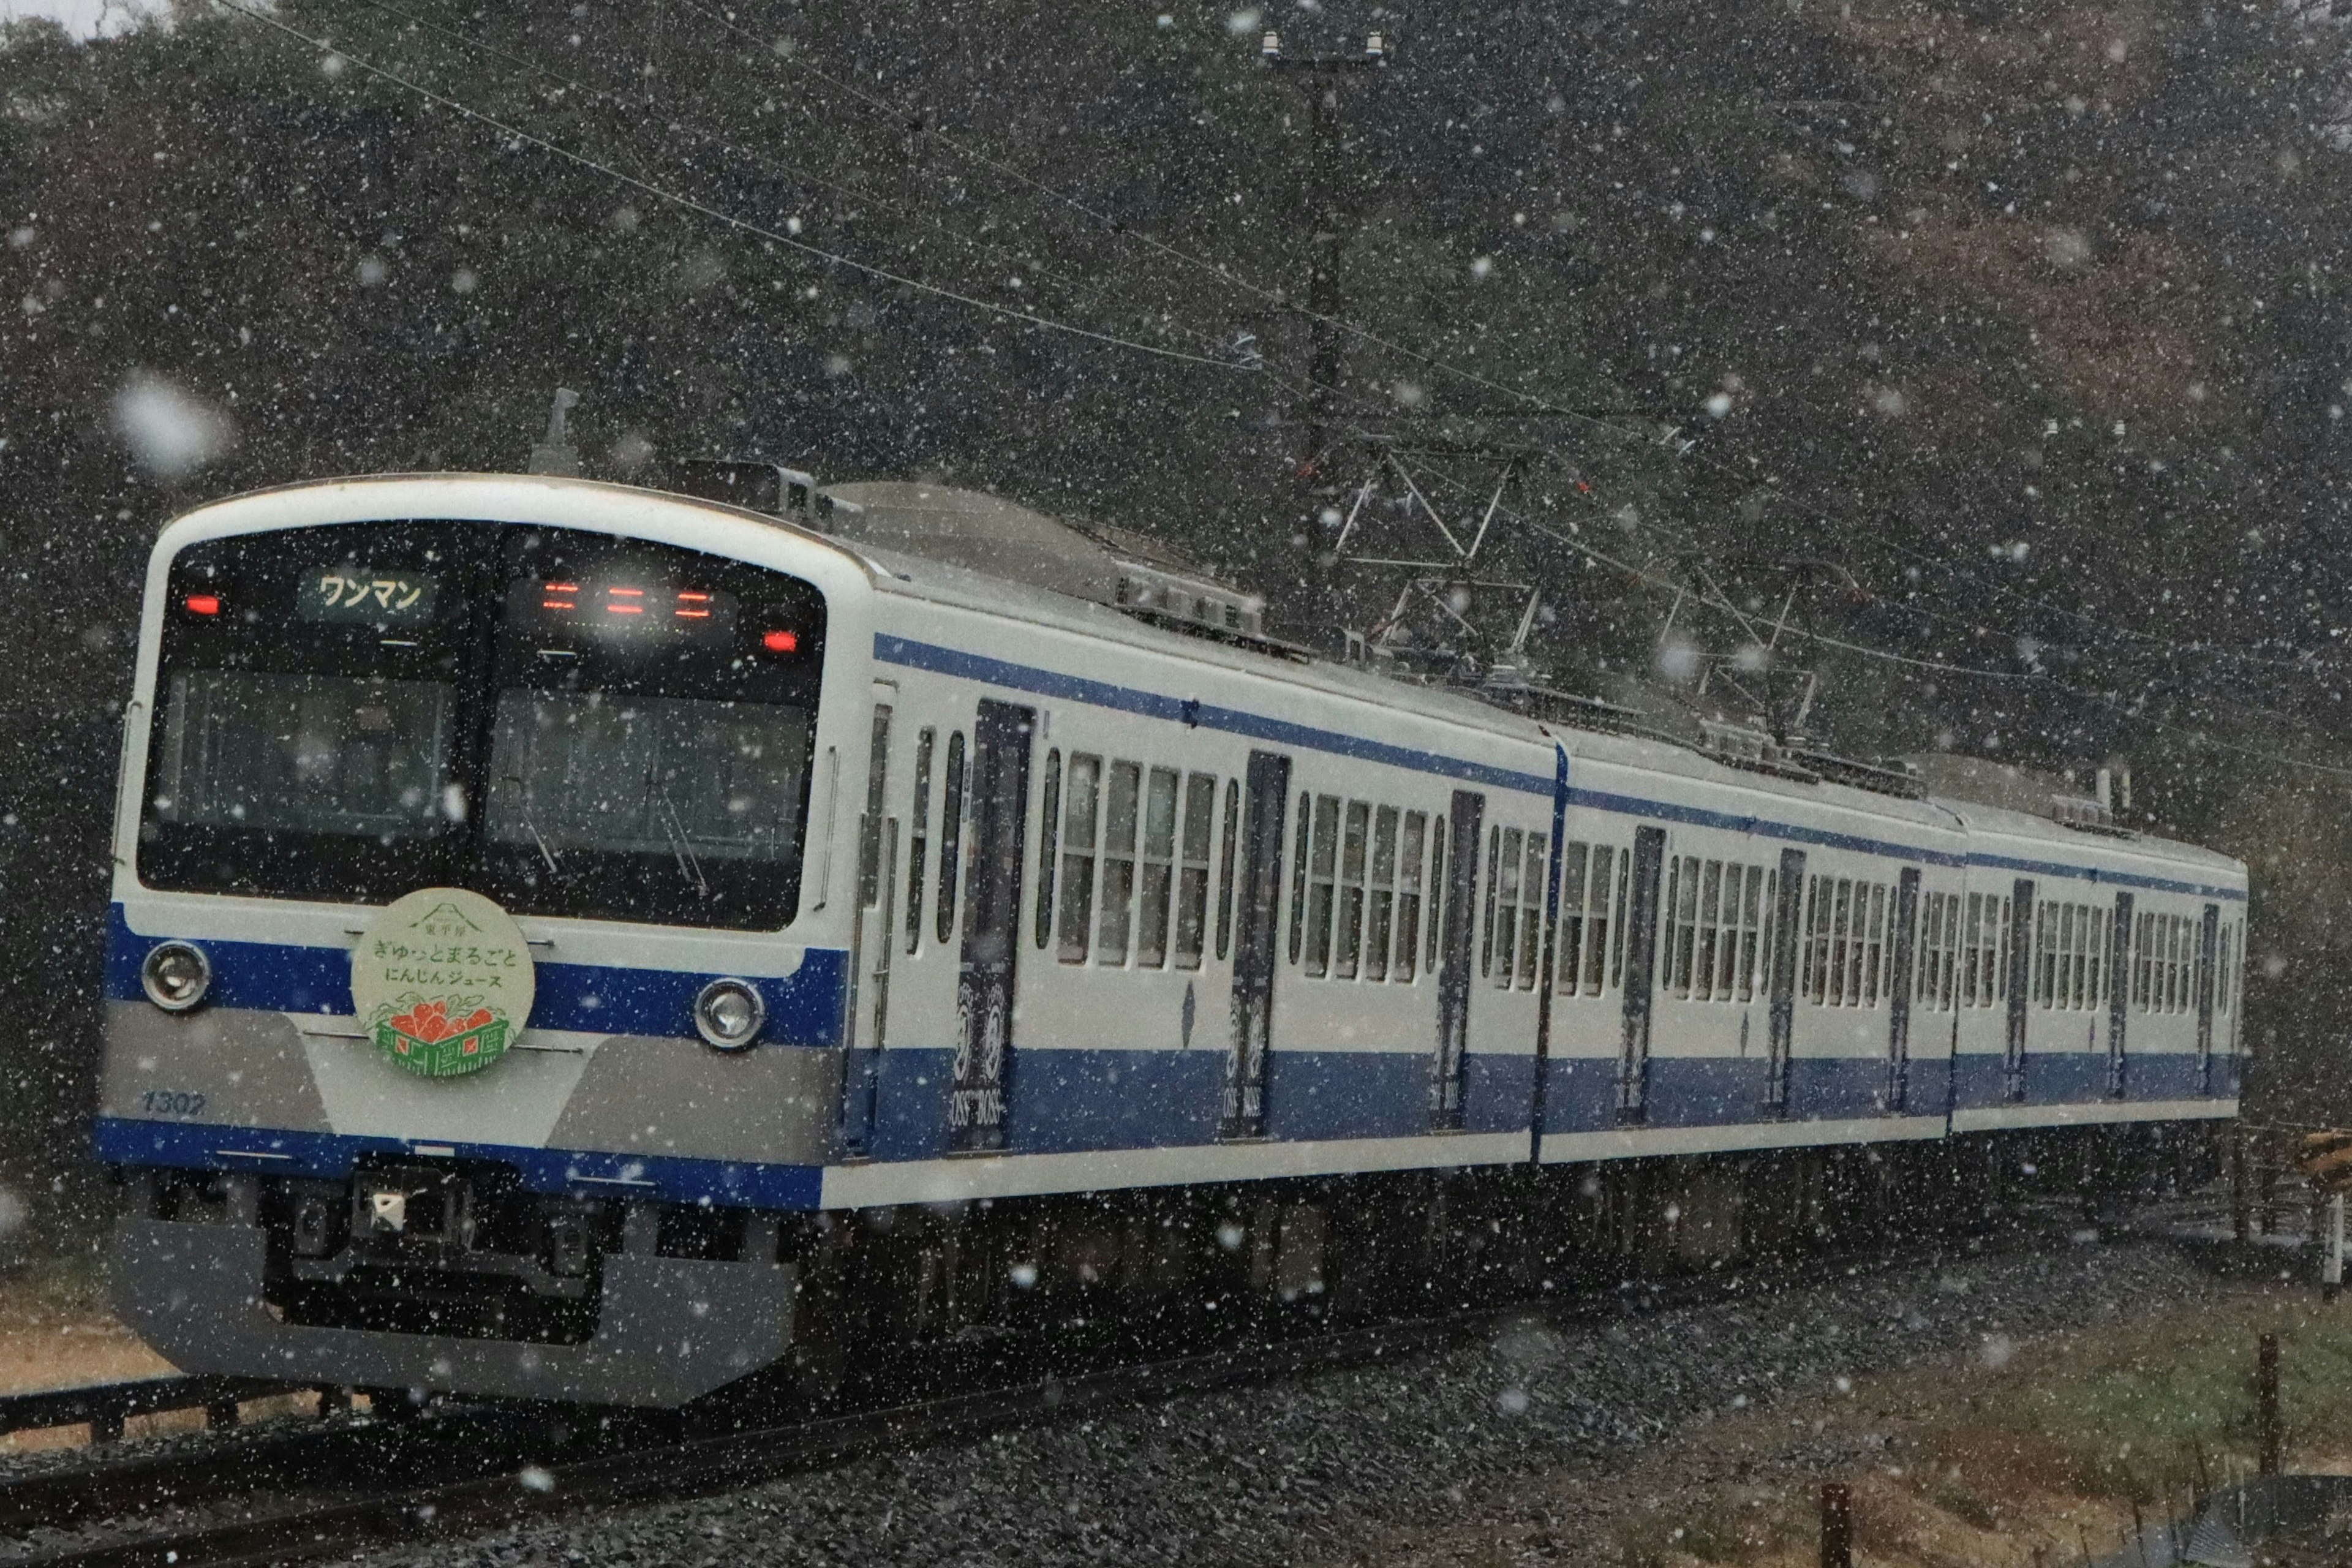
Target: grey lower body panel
[{"x": 668, "y": 1329}]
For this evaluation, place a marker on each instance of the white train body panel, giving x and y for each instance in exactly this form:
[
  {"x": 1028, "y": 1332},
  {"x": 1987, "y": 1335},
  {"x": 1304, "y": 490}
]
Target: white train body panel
[{"x": 1388, "y": 1006}]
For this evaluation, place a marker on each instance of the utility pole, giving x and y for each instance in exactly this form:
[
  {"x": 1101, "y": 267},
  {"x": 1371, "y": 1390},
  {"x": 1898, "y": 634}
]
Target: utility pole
[{"x": 1318, "y": 77}]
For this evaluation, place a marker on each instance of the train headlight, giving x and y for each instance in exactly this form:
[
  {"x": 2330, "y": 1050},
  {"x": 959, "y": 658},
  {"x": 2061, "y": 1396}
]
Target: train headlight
[
  {"x": 175, "y": 975},
  {"x": 728, "y": 1012}
]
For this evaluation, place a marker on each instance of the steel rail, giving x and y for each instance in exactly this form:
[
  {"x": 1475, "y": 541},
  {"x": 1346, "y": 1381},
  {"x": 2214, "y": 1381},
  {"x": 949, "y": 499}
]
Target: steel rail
[{"x": 339, "y": 1521}]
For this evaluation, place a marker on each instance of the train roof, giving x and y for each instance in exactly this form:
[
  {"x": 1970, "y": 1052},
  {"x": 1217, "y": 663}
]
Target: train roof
[
  {"x": 915, "y": 576},
  {"x": 905, "y": 573}
]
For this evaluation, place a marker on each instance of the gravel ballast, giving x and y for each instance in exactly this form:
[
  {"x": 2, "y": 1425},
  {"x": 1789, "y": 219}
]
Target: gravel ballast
[{"x": 1308, "y": 1468}]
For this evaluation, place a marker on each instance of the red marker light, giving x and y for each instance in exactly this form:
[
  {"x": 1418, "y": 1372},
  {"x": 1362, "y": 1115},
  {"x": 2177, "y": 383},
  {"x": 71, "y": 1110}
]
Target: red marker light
[
  {"x": 204, "y": 604},
  {"x": 782, "y": 642},
  {"x": 692, "y": 607}
]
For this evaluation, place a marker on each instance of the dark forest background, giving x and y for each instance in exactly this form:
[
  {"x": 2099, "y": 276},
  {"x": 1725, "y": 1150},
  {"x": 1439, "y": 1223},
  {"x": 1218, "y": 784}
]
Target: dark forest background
[{"x": 2003, "y": 343}]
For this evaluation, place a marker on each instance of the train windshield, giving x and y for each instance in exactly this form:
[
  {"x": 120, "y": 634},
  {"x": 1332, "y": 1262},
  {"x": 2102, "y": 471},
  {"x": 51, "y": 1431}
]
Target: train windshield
[{"x": 570, "y": 723}]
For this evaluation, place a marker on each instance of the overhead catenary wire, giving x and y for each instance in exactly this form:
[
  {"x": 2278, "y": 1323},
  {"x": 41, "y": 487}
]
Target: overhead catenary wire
[
  {"x": 725, "y": 142},
  {"x": 1228, "y": 274},
  {"x": 680, "y": 199},
  {"x": 2038, "y": 680},
  {"x": 690, "y": 203}
]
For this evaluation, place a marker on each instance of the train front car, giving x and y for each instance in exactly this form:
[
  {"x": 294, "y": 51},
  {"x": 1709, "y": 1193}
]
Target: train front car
[{"x": 479, "y": 953}]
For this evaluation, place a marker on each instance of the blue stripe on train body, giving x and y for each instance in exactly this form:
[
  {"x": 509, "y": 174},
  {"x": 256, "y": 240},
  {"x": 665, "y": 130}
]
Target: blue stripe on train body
[
  {"x": 804, "y": 1008},
  {"x": 1063, "y": 1101}
]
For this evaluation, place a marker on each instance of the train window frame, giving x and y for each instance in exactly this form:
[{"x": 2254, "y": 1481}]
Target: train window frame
[
  {"x": 1115, "y": 921},
  {"x": 1322, "y": 884},
  {"x": 1156, "y": 865},
  {"x": 1531, "y": 908},
  {"x": 1380, "y": 894},
  {"x": 1618, "y": 908},
  {"x": 1486, "y": 923},
  {"x": 1080, "y": 861},
  {"x": 1348, "y": 937},
  {"x": 1439, "y": 899},
  {"x": 1049, "y": 838},
  {"x": 1412, "y": 846},
  {"x": 1756, "y": 977},
  {"x": 1503, "y": 904},
  {"x": 1706, "y": 940},
  {"x": 919, "y": 841},
  {"x": 953, "y": 790},
  {"x": 1568, "y": 935},
  {"x": 1195, "y": 852},
  {"x": 1298, "y": 877},
  {"x": 1230, "y": 849},
  {"x": 1601, "y": 917}
]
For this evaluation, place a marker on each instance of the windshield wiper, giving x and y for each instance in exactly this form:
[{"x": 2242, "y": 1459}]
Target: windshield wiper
[
  {"x": 522, "y": 811},
  {"x": 674, "y": 829}
]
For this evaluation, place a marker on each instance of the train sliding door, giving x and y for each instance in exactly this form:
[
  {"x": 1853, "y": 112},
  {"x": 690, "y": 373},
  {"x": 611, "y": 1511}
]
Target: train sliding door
[
  {"x": 1253, "y": 1002},
  {"x": 1898, "y": 999},
  {"x": 1788, "y": 906},
  {"x": 992, "y": 918},
  {"x": 2209, "y": 936},
  {"x": 2120, "y": 972},
  {"x": 1641, "y": 974},
  {"x": 1451, "y": 1068},
  {"x": 2020, "y": 983}
]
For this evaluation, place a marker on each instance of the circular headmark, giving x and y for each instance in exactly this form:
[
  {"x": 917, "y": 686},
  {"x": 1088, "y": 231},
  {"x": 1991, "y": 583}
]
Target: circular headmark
[{"x": 443, "y": 982}]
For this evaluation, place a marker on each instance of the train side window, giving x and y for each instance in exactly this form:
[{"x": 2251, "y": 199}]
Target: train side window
[
  {"x": 2086, "y": 969},
  {"x": 1486, "y": 927},
  {"x": 2143, "y": 957},
  {"x": 1437, "y": 898},
  {"x": 1569, "y": 958},
  {"x": 1351, "y": 891},
  {"x": 2221, "y": 972},
  {"x": 1531, "y": 908},
  {"x": 2103, "y": 924},
  {"x": 1115, "y": 925},
  {"x": 1811, "y": 948},
  {"x": 1682, "y": 922},
  {"x": 1972, "y": 954},
  {"x": 2069, "y": 944},
  {"x": 1873, "y": 957},
  {"x": 1081, "y": 818},
  {"x": 1379, "y": 915},
  {"x": 1599, "y": 889},
  {"x": 2045, "y": 955},
  {"x": 2181, "y": 929},
  {"x": 1158, "y": 880},
  {"x": 1670, "y": 927},
  {"x": 1049, "y": 830},
  {"x": 1322, "y": 874},
  {"x": 1192, "y": 876},
  {"x": 1502, "y": 905},
  {"x": 951, "y": 839},
  {"x": 1845, "y": 943},
  {"x": 1409, "y": 896},
  {"x": 1951, "y": 950},
  {"x": 1047, "y": 838},
  {"x": 1228, "y": 848},
  {"x": 1931, "y": 932},
  {"x": 919, "y": 843},
  {"x": 2000, "y": 938},
  {"x": 1711, "y": 929},
  {"x": 1298, "y": 877},
  {"x": 1755, "y": 959},
  {"x": 1740, "y": 883},
  {"x": 1617, "y": 918}
]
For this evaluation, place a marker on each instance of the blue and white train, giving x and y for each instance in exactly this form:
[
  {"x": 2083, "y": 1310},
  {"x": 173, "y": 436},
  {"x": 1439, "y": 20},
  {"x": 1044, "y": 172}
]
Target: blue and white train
[{"x": 908, "y": 943}]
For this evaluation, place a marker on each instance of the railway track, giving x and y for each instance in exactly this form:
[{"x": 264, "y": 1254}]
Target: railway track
[{"x": 311, "y": 1495}]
